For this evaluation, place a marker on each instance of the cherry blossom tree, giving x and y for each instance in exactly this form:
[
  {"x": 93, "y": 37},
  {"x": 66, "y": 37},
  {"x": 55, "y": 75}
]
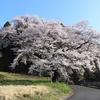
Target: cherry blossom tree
[{"x": 50, "y": 46}]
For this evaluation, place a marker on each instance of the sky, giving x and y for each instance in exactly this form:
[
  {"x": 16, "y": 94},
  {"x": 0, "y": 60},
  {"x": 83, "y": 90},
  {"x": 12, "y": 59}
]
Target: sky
[{"x": 69, "y": 12}]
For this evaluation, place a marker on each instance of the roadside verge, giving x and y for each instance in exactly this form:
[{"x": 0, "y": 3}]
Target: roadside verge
[{"x": 67, "y": 97}]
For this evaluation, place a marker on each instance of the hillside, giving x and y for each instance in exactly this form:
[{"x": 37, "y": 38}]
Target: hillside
[{"x": 26, "y": 87}]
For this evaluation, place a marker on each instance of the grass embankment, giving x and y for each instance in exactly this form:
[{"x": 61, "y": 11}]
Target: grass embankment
[{"x": 26, "y": 87}]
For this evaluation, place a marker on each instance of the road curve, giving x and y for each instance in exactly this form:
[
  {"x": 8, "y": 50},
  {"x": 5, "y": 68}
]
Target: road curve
[{"x": 84, "y": 93}]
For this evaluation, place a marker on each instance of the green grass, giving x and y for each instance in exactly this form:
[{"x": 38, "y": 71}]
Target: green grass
[
  {"x": 18, "y": 79},
  {"x": 27, "y": 96},
  {"x": 57, "y": 90}
]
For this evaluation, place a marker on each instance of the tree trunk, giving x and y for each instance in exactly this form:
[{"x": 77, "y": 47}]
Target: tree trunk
[{"x": 55, "y": 77}]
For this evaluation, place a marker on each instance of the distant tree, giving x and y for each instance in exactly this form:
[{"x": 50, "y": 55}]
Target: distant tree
[
  {"x": 50, "y": 47},
  {"x": 7, "y": 24}
]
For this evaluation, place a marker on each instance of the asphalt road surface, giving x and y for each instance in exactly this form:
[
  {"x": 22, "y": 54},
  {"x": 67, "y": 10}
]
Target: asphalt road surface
[{"x": 84, "y": 93}]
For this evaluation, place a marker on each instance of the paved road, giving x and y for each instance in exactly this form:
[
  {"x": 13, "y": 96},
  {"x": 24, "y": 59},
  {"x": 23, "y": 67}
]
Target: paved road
[{"x": 85, "y": 93}]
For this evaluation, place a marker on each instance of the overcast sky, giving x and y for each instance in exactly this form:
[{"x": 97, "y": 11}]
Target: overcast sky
[{"x": 68, "y": 11}]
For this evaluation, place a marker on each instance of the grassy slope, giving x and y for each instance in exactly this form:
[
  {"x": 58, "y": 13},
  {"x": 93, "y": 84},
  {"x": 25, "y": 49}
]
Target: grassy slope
[{"x": 55, "y": 90}]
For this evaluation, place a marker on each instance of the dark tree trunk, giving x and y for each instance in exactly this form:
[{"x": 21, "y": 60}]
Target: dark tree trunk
[{"x": 55, "y": 76}]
